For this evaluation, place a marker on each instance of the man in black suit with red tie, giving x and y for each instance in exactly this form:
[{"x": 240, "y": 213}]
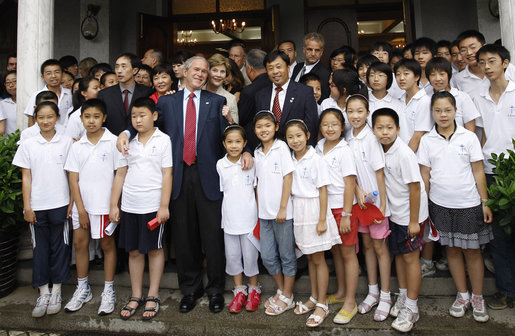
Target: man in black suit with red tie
[
  {"x": 118, "y": 98},
  {"x": 294, "y": 100},
  {"x": 313, "y": 50}
]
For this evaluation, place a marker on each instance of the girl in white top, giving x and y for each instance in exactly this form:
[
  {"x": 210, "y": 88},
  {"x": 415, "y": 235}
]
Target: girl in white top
[
  {"x": 46, "y": 203},
  {"x": 451, "y": 164},
  {"x": 239, "y": 217},
  {"x": 274, "y": 168},
  {"x": 88, "y": 89},
  {"x": 314, "y": 225},
  {"x": 342, "y": 174},
  {"x": 369, "y": 158}
]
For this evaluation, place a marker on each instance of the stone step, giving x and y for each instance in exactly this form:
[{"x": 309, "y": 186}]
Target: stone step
[{"x": 440, "y": 284}]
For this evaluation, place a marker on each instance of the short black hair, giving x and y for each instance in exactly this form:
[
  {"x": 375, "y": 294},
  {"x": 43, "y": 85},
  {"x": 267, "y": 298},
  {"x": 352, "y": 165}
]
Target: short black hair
[
  {"x": 308, "y": 78},
  {"x": 271, "y": 56},
  {"x": 45, "y": 96},
  {"x": 439, "y": 64},
  {"x": 104, "y": 76},
  {"x": 494, "y": 49},
  {"x": 50, "y": 104},
  {"x": 442, "y": 95},
  {"x": 470, "y": 33},
  {"x": 386, "y": 112},
  {"x": 425, "y": 42},
  {"x": 95, "y": 103},
  {"x": 135, "y": 61},
  {"x": 180, "y": 57},
  {"x": 105, "y": 67},
  {"x": 144, "y": 102},
  {"x": 288, "y": 41},
  {"x": 407, "y": 47},
  {"x": 162, "y": 68},
  {"x": 381, "y": 45},
  {"x": 384, "y": 68},
  {"x": 409, "y": 64},
  {"x": 146, "y": 68},
  {"x": 366, "y": 60},
  {"x": 337, "y": 113},
  {"x": 397, "y": 53},
  {"x": 68, "y": 61},
  {"x": 443, "y": 44},
  {"x": 50, "y": 62},
  {"x": 348, "y": 54},
  {"x": 349, "y": 80},
  {"x": 69, "y": 74}
]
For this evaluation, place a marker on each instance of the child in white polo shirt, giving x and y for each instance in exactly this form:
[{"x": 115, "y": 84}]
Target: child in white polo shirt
[
  {"x": 46, "y": 203},
  {"x": 239, "y": 217},
  {"x": 91, "y": 165},
  {"x": 369, "y": 159},
  {"x": 407, "y": 199},
  {"x": 145, "y": 174},
  {"x": 497, "y": 107},
  {"x": 451, "y": 164}
]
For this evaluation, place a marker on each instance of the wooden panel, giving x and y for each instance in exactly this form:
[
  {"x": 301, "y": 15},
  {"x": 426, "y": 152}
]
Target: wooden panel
[
  {"x": 180, "y": 7},
  {"x": 241, "y": 5}
]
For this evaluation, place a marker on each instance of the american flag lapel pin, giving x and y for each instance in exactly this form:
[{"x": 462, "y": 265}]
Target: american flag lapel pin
[
  {"x": 292, "y": 99},
  {"x": 207, "y": 103}
]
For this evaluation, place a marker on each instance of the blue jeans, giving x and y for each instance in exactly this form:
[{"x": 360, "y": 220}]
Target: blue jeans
[
  {"x": 503, "y": 255},
  {"x": 277, "y": 244}
]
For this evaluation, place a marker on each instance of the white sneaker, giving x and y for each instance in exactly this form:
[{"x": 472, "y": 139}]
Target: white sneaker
[
  {"x": 54, "y": 306},
  {"x": 406, "y": 320},
  {"x": 81, "y": 295},
  {"x": 427, "y": 269},
  {"x": 459, "y": 306},
  {"x": 41, "y": 306},
  {"x": 479, "y": 311},
  {"x": 442, "y": 264},
  {"x": 399, "y": 304},
  {"x": 108, "y": 302}
]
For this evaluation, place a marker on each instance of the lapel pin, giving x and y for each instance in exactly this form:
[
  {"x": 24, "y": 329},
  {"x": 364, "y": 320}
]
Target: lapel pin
[
  {"x": 207, "y": 103},
  {"x": 291, "y": 100}
]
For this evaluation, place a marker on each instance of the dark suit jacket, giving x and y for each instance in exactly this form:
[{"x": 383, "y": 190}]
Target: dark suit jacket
[
  {"x": 299, "y": 103},
  {"x": 211, "y": 125},
  {"x": 247, "y": 108},
  {"x": 117, "y": 121},
  {"x": 321, "y": 72}
]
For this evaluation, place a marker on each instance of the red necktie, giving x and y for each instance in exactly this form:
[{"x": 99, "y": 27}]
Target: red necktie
[
  {"x": 126, "y": 101},
  {"x": 276, "y": 108},
  {"x": 188, "y": 153}
]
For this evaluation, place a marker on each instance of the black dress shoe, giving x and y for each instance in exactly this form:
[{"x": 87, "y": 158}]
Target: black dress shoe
[
  {"x": 216, "y": 303},
  {"x": 188, "y": 302}
]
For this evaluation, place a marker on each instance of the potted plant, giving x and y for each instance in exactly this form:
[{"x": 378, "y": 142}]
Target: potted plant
[
  {"x": 11, "y": 212},
  {"x": 502, "y": 191}
]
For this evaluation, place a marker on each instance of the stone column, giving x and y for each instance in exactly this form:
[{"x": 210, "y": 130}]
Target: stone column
[
  {"x": 507, "y": 17},
  {"x": 35, "y": 42}
]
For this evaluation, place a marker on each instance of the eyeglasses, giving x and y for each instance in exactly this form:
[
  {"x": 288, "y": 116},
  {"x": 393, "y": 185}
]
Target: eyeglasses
[{"x": 7, "y": 83}]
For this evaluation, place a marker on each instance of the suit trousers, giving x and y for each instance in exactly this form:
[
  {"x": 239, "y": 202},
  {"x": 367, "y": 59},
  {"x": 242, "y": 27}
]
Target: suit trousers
[{"x": 197, "y": 233}]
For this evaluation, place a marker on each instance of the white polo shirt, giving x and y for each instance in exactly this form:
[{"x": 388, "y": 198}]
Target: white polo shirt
[
  {"x": 34, "y": 130},
  {"x": 45, "y": 159},
  {"x": 396, "y": 105},
  {"x": 64, "y": 103},
  {"x": 95, "y": 165},
  {"x": 465, "y": 109},
  {"x": 428, "y": 88},
  {"x": 473, "y": 85},
  {"x": 417, "y": 113},
  {"x": 452, "y": 183},
  {"x": 401, "y": 168},
  {"x": 8, "y": 113},
  {"x": 340, "y": 161},
  {"x": 311, "y": 172},
  {"x": 331, "y": 103},
  {"x": 498, "y": 121},
  {"x": 395, "y": 91},
  {"x": 239, "y": 208},
  {"x": 74, "y": 128},
  {"x": 144, "y": 180},
  {"x": 369, "y": 158},
  {"x": 270, "y": 171}
]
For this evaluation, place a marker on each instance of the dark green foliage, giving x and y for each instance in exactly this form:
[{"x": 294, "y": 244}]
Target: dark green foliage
[{"x": 11, "y": 200}]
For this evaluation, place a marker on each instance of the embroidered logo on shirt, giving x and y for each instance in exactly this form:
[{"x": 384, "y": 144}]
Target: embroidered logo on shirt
[
  {"x": 511, "y": 113},
  {"x": 276, "y": 169},
  {"x": 248, "y": 180},
  {"x": 305, "y": 173},
  {"x": 60, "y": 159},
  {"x": 463, "y": 150},
  {"x": 334, "y": 163},
  {"x": 363, "y": 157}
]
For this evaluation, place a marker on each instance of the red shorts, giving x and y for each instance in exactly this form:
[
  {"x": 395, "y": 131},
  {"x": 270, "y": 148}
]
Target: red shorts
[{"x": 348, "y": 239}]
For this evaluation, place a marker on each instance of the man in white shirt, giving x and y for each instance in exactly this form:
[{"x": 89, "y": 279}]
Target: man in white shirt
[
  {"x": 288, "y": 47},
  {"x": 238, "y": 55}
]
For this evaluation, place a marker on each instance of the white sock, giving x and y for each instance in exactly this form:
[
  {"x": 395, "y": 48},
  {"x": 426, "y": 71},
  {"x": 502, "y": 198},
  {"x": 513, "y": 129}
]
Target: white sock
[
  {"x": 383, "y": 302},
  {"x": 44, "y": 290},
  {"x": 385, "y": 296},
  {"x": 56, "y": 288},
  {"x": 82, "y": 281},
  {"x": 464, "y": 296},
  {"x": 412, "y": 304},
  {"x": 109, "y": 285},
  {"x": 255, "y": 288},
  {"x": 373, "y": 289},
  {"x": 476, "y": 296},
  {"x": 403, "y": 292}
]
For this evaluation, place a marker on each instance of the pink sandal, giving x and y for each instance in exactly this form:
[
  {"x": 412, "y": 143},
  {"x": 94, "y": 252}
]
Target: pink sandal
[
  {"x": 370, "y": 302},
  {"x": 380, "y": 315}
]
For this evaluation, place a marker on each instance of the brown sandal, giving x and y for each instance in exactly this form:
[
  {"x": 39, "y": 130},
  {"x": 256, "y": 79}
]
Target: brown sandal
[{"x": 131, "y": 310}]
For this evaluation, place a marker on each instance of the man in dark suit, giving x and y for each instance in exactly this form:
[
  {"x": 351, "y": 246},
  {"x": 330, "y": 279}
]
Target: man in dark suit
[
  {"x": 193, "y": 119},
  {"x": 313, "y": 50},
  {"x": 295, "y": 101},
  {"x": 246, "y": 105},
  {"x": 118, "y": 98}
]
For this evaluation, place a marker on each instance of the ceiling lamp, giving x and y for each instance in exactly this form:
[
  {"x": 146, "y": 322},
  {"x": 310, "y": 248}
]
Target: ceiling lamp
[
  {"x": 227, "y": 26},
  {"x": 185, "y": 38}
]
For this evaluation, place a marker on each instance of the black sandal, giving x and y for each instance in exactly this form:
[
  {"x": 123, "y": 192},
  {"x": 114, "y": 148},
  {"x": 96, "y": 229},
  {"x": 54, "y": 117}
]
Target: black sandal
[
  {"x": 154, "y": 310},
  {"x": 131, "y": 310}
]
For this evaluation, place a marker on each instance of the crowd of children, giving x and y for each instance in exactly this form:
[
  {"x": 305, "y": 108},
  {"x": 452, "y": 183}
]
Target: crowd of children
[{"x": 397, "y": 161}]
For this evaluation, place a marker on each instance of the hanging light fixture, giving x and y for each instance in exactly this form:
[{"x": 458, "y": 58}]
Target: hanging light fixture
[
  {"x": 185, "y": 38},
  {"x": 220, "y": 25}
]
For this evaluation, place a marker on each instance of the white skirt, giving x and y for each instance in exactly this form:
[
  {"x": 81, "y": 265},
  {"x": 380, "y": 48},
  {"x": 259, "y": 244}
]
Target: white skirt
[{"x": 306, "y": 213}]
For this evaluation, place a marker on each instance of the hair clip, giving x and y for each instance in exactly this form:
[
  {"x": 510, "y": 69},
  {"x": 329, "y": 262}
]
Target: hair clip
[
  {"x": 356, "y": 95},
  {"x": 266, "y": 111}
]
